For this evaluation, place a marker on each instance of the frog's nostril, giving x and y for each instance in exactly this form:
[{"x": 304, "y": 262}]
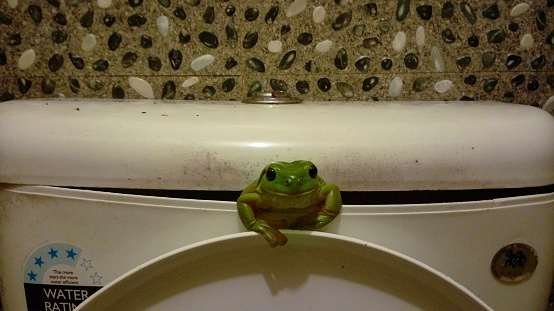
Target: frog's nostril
[{"x": 287, "y": 182}]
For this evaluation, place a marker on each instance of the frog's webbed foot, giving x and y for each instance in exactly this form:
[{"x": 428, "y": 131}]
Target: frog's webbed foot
[{"x": 273, "y": 236}]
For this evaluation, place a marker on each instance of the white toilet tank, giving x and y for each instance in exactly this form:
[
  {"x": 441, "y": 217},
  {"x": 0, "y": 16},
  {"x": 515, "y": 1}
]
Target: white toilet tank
[{"x": 457, "y": 196}]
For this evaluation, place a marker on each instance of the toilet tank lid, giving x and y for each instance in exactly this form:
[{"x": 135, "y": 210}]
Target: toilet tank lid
[{"x": 360, "y": 146}]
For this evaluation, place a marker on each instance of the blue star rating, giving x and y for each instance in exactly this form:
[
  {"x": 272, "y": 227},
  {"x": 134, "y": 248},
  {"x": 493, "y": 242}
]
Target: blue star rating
[
  {"x": 53, "y": 253},
  {"x": 32, "y": 276},
  {"x": 39, "y": 262},
  {"x": 71, "y": 254}
]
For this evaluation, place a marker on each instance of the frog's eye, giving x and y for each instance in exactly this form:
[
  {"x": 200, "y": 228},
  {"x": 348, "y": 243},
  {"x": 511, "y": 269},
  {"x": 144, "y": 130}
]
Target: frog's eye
[
  {"x": 270, "y": 174},
  {"x": 313, "y": 171}
]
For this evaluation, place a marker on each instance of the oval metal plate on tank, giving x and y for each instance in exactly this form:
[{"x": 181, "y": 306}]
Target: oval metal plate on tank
[{"x": 275, "y": 97}]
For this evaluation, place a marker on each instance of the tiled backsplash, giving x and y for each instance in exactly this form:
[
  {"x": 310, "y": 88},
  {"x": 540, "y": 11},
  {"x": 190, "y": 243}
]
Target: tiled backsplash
[{"x": 316, "y": 50}]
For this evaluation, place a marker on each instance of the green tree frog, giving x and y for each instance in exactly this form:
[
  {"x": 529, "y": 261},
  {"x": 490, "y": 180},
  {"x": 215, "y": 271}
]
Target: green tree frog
[{"x": 288, "y": 195}]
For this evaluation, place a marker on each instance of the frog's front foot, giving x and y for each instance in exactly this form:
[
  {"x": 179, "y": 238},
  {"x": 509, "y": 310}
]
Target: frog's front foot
[{"x": 273, "y": 236}]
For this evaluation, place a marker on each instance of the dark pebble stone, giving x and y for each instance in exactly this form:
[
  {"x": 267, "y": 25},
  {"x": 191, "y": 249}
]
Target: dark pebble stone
[
  {"x": 386, "y": 64},
  {"x": 230, "y": 63},
  {"x": 145, "y": 41},
  {"x": 108, "y": 20},
  {"x": 228, "y": 85},
  {"x": 533, "y": 85},
  {"x": 232, "y": 35},
  {"x": 3, "y": 58},
  {"x": 491, "y": 12},
  {"x": 14, "y": 38},
  {"x": 55, "y": 3},
  {"x": 189, "y": 97},
  {"x": 230, "y": 10},
  {"x": 534, "y": 104},
  {"x": 35, "y": 12},
  {"x": 48, "y": 86},
  {"x": 473, "y": 41},
  {"x": 402, "y": 9},
  {"x": 209, "y": 15},
  {"x": 466, "y": 98},
  {"x": 518, "y": 80},
  {"x": 513, "y": 61},
  {"x": 420, "y": 84},
  {"x": 550, "y": 3},
  {"x": 87, "y": 19},
  {"x": 463, "y": 62},
  {"x": 468, "y": 12},
  {"x": 184, "y": 38},
  {"x": 488, "y": 59},
  {"x": 60, "y": 18},
  {"x": 154, "y": 63},
  {"x": 550, "y": 79},
  {"x": 513, "y": 26},
  {"x": 192, "y": 2},
  {"x": 6, "y": 96},
  {"x": 342, "y": 21},
  {"x": 303, "y": 87},
  {"x": 180, "y": 13},
  {"x": 272, "y": 14},
  {"x": 251, "y": 14},
  {"x": 287, "y": 60},
  {"x": 208, "y": 91},
  {"x": 540, "y": 19},
  {"x": 55, "y": 62},
  {"x": 175, "y": 58},
  {"x": 411, "y": 61},
  {"x": 255, "y": 64},
  {"x": 135, "y": 3},
  {"x": 447, "y": 10},
  {"x": 278, "y": 85},
  {"x": 311, "y": 66},
  {"x": 371, "y": 8},
  {"x": 59, "y": 36},
  {"x": 508, "y": 97},
  {"x": 496, "y": 36},
  {"x": 425, "y": 12},
  {"x": 209, "y": 39},
  {"x": 470, "y": 80},
  {"x": 341, "y": 59},
  {"x": 118, "y": 92},
  {"x": 169, "y": 90},
  {"x": 305, "y": 38},
  {"x": 369, "y": 83},
  {"x": 256, "y": 86},
  {"x": 550, "y": 38},
  {"x": 362, "y": 64},
  {"x": 448, "y": 36},
  {"x": 250, "y": 40},
  {"x": 24, "y": 85},
  {"x": 324, "y": 84},
  {"x": 136, "y": 20},
  {"x": 101, "y": 65},
  {"x": 128, "y": 59},
  {"x": 95, "y": 84},
  {"x": 77, "y": 61},
  {"x": 165, "y": 3},
  {"x": 5, "y": 19},
  {"x": 114, "y": 41},
  {"x": 490, "y": 84},
  {"x": 285, "y": 29}
]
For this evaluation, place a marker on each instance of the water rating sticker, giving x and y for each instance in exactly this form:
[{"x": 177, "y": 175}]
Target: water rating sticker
[{"x": 59, "y": 276}]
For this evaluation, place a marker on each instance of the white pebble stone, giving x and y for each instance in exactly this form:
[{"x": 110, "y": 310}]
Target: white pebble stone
[
  {"x": 549, "y": 105},
  {"x": 12, "y": 3},
  {"x": 297, "y": 7},
  {"x": 319, "y": 15},
  {"x": 27, "y": 59},
  {"x": 395, "y": 87},
  {"x": 399, "y": 41},
  {"x": 142, "y": 87},
  {"x": 527, "y": 42},
  {"x": 275, "y": 46},
  {"x": 163, "y": 25},
  {"x": 420, "y": 36},
  {"x": 202, "y": 62},
  {"x": 104, "y": 4},
  {"x": 443, "y": 86},
  {"x": 190, "y": 82},
  {"x": 436, "y": 59},
  {"x": 519, "y": 9},
  {"x": 89, "y": 41},
  {"x": 324, "y": 46}
]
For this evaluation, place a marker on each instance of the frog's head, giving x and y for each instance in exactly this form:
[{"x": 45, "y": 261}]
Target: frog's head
[{"x": 289, "y": 178}]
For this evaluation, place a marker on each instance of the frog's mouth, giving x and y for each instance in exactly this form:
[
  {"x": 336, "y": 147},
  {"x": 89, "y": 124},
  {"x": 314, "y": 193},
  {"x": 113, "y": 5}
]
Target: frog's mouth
[{"x": 286, "y": 192}]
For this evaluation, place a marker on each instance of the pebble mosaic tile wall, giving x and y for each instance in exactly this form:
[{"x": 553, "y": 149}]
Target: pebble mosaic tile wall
[{"x": 314, "y": 49}]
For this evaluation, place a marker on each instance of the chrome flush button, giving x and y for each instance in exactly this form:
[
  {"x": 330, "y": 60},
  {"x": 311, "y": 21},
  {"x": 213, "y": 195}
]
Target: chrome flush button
[{"x": 514, "y": 262}]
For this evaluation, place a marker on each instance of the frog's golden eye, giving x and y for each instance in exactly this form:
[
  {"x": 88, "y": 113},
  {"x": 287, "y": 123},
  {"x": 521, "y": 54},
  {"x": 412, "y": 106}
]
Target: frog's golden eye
[
  {"x": 270, "y": 174},
  {"x": 313, "y": 171}
]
